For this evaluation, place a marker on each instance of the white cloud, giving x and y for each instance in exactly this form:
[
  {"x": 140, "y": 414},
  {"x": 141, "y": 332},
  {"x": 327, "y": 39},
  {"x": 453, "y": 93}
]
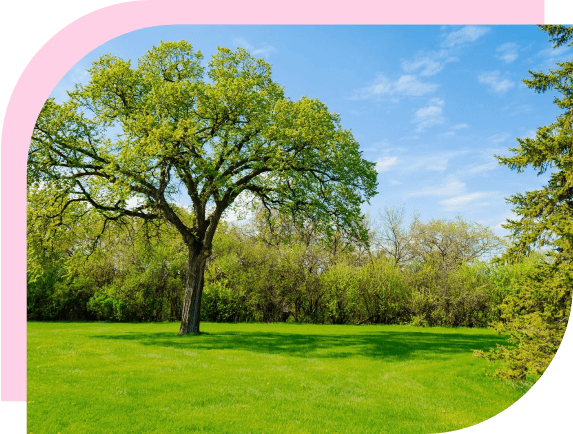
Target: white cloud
[
  {"x": 406, "y": 85},
  {"x": 552, "y": 53},
  {"x": 482, "y": 160},
  {"x": 437, "y": 101},
  {"x": 428, "y": 66},
  {"x": 437, "y": 161},
  {"x": 498, "y": 138},
  {"x": 469, "y": 201},
  {"x": 486, "y": 167},
  {"x": 437, "y": 164},
  {"x": 494, "y": 80},
  {"x": 410, "y": 85},
  {"x": 517, "y": 109},
  {"x": 448, "y": 134},
  {"x": 428, "y": 63},
  {"x": 430, "y": 115},
  {"x": 385, "y": 147},
  {"x": 453, "y": 130},
  {"x": 414, "y": 161},
  {"x": 383, "y": 164},
  {"x": 449, "y": 189},
  {"x": 241, "y": 42},
  {"x": 507, "y": 52},
  {"x": 461, "y": 201},
  {"x": 465, "y": 34},
  {"x": 409, "y": 138},
  {"x": 264, "y": 51},
  {"x": 381, "y": 86}
]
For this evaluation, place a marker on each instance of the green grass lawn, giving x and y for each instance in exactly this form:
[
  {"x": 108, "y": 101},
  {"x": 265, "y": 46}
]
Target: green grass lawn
[{"x": 258, "y": 378}]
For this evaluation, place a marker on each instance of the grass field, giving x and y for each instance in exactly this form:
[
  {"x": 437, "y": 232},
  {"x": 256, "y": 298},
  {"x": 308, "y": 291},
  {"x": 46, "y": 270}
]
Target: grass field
[{"x": 258, "y": 378}]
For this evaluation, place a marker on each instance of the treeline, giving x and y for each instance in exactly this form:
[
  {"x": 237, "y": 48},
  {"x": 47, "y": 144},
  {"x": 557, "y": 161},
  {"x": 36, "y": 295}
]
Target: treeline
[
  {"x": 271, "y": 270},
  {"x": 254, "y": 280}
]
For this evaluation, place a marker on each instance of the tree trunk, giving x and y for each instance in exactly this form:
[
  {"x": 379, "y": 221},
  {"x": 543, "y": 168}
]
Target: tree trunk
[{"x": 193, "y": 291}]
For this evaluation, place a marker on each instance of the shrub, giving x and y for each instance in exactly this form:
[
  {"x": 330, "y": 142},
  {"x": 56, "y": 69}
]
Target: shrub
[{"x": 535, "y": 316}]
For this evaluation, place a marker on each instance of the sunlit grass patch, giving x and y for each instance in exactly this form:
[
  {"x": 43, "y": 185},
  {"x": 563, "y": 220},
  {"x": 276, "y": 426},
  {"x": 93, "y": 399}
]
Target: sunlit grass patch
[{"x": 258, "y": 378}]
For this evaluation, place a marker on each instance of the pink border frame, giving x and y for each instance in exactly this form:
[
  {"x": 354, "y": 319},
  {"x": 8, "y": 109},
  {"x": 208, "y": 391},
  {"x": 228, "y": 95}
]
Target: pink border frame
[{"x": 68, "y": 46}]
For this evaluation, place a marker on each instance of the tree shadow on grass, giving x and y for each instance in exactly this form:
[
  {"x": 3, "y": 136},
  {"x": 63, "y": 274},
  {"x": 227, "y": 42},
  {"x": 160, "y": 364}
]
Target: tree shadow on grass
[{"x": 376, "y": 345}]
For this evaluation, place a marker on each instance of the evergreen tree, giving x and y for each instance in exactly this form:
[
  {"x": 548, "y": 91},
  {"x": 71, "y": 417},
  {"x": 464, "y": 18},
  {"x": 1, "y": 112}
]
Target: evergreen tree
[
  {"x": 546, "y": 215},
  {"x": 536, "y": 314}
]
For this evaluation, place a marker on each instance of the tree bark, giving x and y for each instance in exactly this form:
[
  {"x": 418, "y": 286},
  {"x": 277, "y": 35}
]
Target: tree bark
[{"x": 193, "y": 290}]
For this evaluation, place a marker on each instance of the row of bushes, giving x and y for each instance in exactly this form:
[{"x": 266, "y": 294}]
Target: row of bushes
[
  {"x": 257, "y": 282},
  {"x": 130, "y": 278}
]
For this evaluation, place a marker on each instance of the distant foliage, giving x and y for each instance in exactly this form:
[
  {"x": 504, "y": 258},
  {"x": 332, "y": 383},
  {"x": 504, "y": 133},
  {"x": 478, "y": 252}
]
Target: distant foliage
[
  {"x": 134, "y": 271},
  {"x": 268, "y": 270}
]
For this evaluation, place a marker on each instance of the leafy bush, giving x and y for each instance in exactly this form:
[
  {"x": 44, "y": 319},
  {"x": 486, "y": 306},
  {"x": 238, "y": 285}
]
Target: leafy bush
[
  {"x": 222, "y": 304},
  {"x": 535, "y": 315},
  {"x": 102, "y": 306},
  {"x": 383, "y": 293}
]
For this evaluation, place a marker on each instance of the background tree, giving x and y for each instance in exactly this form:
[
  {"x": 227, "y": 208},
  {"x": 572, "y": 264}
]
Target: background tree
[
  {"x": 392, "y": 238},
  {"x": 445, "y": 272},
  {"x": 537, "y": 312},
  {"x": 451, "y": 243},
  {"x": 132, "y": 140},
  {"x": 447, "y": 243}
]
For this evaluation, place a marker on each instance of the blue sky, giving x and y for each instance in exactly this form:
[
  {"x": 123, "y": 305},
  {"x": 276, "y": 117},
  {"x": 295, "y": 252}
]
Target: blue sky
[{"x": 429, "y": 104}]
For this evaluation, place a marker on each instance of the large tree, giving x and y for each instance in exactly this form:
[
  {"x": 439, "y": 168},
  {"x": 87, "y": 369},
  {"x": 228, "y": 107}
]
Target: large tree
[{"x": 134, "y": 140}]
